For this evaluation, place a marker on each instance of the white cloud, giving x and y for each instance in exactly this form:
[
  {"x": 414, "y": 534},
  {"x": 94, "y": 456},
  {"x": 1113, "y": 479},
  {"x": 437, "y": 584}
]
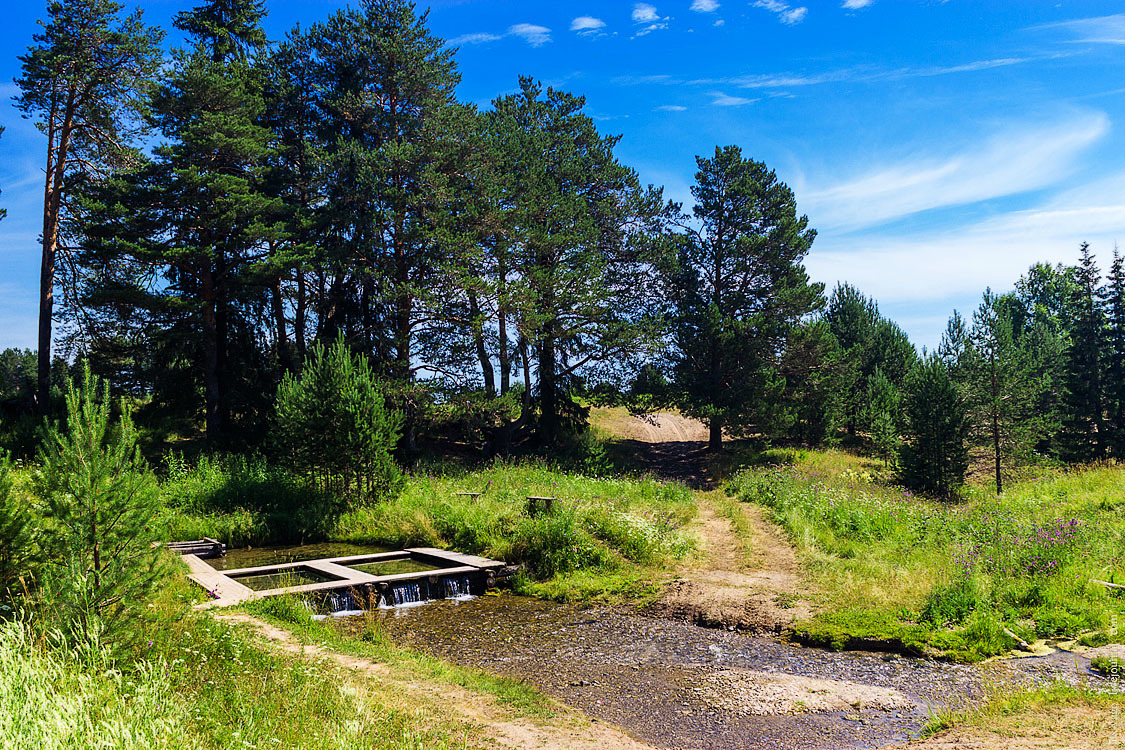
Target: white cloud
[
  {"x": 705, "y": 6},
  {"x": 647, "y": 16},
  {"x": 1016, "y": 161},
  {"x": 587, "y": 25},
  {"x": 784, "y": 13},
  {"x": 1101, "y": 30},
  {"x": 857, "y": 4},
  {"x": 534, "y": 35},
  {"x": 645, "y": 13},
  {"x": 719, "y": 99},
  {"x": 478, "y": 38},
  {"x": 720, "y": 22},
  {"x": 671, "y": 108}
]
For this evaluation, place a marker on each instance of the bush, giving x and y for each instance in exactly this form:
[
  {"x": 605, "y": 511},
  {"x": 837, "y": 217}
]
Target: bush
[
  {"x": 19, "y": 553},
  {"x": 934, "y": 458},
  {"x": 244, "y": 500}
]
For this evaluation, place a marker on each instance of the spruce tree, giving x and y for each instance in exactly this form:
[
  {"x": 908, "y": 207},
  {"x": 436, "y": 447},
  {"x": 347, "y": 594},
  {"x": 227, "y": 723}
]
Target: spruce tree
[
  {"x": 1114, "y": 304},
  {"x": 85, "y": 81},
  {"x": 100, "y": 501},
  {"x": 1085, "y": 428},
  {"x": 881, "y": 415},
  {"x": 934, "y": 456},
  {"x": 1001, "y": 389}
]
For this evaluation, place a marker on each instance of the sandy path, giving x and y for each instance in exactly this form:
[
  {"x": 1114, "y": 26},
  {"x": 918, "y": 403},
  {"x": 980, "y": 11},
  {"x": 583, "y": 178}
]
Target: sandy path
[
  {"x": 759, "y": 590},
  {"x": 571, "y": 732}
]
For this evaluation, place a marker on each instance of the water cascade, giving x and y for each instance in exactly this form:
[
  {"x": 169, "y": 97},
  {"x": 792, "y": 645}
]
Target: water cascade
[
  {"x": 343, "y": 604},
  {"x": 458, "y": 588},
  {"x": 406, "y": 594}
]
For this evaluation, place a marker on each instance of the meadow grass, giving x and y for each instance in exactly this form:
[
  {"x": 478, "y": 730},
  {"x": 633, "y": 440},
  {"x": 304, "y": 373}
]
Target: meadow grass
[
  {"x": 191, "y": 680},
  {"x": 604, "y": 538},
  {"x": 957, "y": 578}
]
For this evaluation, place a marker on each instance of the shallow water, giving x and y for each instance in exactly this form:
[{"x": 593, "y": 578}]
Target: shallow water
[
  {"x": 394, "y": 567},
  {"x": 284, "y": 579},
  {"x": 252, "y": 557},
  {"x": 643, "y": 674}
]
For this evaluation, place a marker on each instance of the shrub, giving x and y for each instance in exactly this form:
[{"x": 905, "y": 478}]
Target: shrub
[
  {"x": 18, "y": 549},
  {"x": 934, "y": 458}
]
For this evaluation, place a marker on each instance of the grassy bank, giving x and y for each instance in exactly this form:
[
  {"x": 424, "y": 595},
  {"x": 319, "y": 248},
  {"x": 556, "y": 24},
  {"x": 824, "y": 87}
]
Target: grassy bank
[
  {"x": 964, "y": 579},
  {"x": 606, "y": 537},
  {"x": 194, "y": 681}
]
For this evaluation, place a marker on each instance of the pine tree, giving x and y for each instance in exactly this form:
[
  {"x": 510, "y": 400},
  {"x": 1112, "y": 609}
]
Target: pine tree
[
  {"x": 1001, "y": 390},
  {"x": 1085, "y": 429},
  {"x": 934, "y": 457},
  {"x": 881, "y": 413},
  {"x": 333, "y": 425},
  {"x": 100, "y": 501},
  {"x": 740, "y": 287},
  {"x": 85, "y": 81},
  {"x": 197, "y": 217},
  {"x": 585, "y": 289},
  {"x": 19, "y": 533}
]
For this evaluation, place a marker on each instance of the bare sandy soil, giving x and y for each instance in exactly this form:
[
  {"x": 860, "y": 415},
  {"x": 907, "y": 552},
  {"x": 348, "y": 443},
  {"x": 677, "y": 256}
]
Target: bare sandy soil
[
  {"x": 758, "y": 590},
  {"x": 1056, "y": 728}
]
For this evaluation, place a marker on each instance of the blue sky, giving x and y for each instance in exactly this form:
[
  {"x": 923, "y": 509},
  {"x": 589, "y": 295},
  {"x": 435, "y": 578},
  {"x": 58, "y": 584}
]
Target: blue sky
[{"x": 937, "y": 147}]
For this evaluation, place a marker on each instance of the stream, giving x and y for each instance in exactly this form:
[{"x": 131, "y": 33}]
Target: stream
[{"x": 676, "y": 685}]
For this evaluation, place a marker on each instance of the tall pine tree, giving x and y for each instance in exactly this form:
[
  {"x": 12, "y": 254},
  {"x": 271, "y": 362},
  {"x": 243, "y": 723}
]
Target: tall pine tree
[{"x": 1085, "y": 429}]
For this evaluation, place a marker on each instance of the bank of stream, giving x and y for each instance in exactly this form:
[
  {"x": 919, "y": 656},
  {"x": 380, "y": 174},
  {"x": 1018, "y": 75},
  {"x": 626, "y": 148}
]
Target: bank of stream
[{"x": 673, "y": 684}]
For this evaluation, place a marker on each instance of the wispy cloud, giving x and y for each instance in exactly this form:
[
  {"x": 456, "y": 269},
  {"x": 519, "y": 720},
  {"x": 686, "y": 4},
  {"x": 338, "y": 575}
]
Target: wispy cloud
[
  {"x": 1017, "y": 161},
  {"x": 671, "y": 108},
  {"x": 705, "y": 6},
  {"x": 648, "y": 18},
  {"x": 534, "y": 35},
  {"x": 1100, "y": 30},
  {"x": 857, "y": 4},
  {"x": 786, "y": 14},
  {"x": 587, "y": 25},
  {"x": 719, "y": 99}
]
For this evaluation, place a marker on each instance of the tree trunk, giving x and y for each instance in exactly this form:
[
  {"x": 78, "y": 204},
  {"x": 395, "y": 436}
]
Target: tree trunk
[
  {"x": 525, "y": 356},
  {"x": 486, "y": 368},
  {"x": 210, "y": 358},
  {"x": 299, "y": 321},
  {"x": 996, "y": 421},
  {"x": 715, "y": 441},
  {"x": 284, "y": 354},
  {"x": 548, "y": 396},
  {"x": 46, "y": 312}
]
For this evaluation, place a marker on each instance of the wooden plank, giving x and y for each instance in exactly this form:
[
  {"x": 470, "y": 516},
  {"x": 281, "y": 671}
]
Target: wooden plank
[{"x": 457, "y": 557}]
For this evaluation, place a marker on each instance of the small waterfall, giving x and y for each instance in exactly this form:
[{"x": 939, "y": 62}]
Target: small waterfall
[
  {"x": 458, "y": 588},
  {"x": 343, "y": 604},
  {"x": 406, "y": 595}
]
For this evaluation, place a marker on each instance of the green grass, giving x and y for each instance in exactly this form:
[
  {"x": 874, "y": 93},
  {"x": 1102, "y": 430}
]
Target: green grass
[
  {"x": 604, "y": 539},
  {"x": 949, "y": 578},
  {"x": 194, "y": 681},
  {"x": 1062, "y": 711}
]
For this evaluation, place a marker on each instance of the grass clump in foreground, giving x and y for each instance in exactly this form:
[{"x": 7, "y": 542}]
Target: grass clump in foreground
[
  {"x": 1070, "y": 715},
  {"x": 603, "y": 539},
  {"x": 962, "y": 579}
]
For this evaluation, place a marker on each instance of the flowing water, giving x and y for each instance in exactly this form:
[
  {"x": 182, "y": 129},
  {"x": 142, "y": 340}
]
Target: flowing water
[{"x": 656, "y": 678}]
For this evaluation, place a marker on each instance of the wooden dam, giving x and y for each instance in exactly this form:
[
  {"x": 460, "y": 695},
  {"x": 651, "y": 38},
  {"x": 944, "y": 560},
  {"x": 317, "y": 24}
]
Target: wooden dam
[{"x": 353, "y": 582}]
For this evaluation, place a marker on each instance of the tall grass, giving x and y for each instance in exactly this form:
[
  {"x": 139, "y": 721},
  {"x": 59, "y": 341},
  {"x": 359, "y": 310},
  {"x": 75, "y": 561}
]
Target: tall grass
[
  {"x": 600, "y": 527},
  {"x": 960, "y": 578}
]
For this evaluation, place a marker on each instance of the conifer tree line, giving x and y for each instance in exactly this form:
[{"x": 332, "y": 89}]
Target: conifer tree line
[{"x": 216, "y": 215}]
